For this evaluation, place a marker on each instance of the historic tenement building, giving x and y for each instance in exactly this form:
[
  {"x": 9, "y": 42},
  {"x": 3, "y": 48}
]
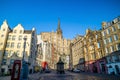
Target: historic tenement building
[
  {"x": 93, "y": 51},
  {"x": 101, "y": 49},
  {"x": 88, "y": 52},
  {"x": 61, "y": 45},
  {"x": 77, "y": 52},
  {"x": 11, "y": 46},
  {"x": 44, "y": 51},
  {"x": 111, "y": 38}
]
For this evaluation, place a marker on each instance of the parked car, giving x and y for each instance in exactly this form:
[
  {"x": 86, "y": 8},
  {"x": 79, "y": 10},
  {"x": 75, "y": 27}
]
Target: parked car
[
  {"x": 47, "y": 71},
  {"x": 76, "y": 70}
]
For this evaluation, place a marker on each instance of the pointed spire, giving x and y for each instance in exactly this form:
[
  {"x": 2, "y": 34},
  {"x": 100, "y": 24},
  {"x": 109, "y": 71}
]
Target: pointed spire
[
  {"x": 59, "y": 31},
  {"x": 58, "y": 28},
  {"x": 59, "y": 24}
]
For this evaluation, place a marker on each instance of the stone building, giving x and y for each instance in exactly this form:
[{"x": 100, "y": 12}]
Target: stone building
[
  {"x": 11, "y": 46},
  {"x": 44, "y": 53},
  {"x": 77, "y": 52},
  {"x": 111, "y": 39},
  {"x": 61, "y": 45},
  {"x": 93, "y": 52}
]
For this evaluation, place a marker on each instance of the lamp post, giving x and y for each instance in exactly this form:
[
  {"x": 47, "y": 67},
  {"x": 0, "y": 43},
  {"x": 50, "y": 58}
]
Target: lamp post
[
  {"x": 24, "y": 70},
  {"x": 24, "y": 48}
]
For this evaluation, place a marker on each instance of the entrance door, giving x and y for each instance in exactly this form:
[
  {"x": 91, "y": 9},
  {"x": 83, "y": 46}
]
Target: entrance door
[
  {"x": 117, "y": 69},
  {"x": 103, "y": 67}
]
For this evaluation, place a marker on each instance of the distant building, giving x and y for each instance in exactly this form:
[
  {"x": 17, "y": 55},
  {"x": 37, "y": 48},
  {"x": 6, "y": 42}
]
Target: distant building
[
  {"x": 44, "y": 53},
  {"x": 11, "y": 46},
  {"x": 61, "y": 45},
  {"x": 77, "y": 52}
]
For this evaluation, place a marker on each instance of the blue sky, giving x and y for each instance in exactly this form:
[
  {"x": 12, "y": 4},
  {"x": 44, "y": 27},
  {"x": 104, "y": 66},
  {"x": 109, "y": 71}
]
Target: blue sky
[{"x": 75, "y": 15}]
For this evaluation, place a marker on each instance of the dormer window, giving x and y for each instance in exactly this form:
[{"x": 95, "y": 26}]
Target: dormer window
[
  {"x": 20, "y": 31},
  {"x": 15, "y": 31},
  {"x": 4, "y": 29}
]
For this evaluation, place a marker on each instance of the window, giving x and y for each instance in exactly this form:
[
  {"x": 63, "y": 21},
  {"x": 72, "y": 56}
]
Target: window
[
  {"x": 20, "y": 37},
  {"x": 2, "y": 35},
  {"x": 11, "y": 61},
  {"x": 13, "y": 38},
  {"x": 10, "y": 53},
  {"x": 110, "y": 39},
  {"x": 3, "y": 29},
  {"x": 105, "y": 41},
  {"x": 15, "y": 31},
  {"x": 108, "y": 31},
  {"x": 90, "y": 40},
  {"x": 18, "y": 52},
  {"x": 96, "y": 36},
  {"x": 112, "y": 48},
  {"x": 12, "y": 45},
  {"x": 108, "y": 24},
  {"x": 8, "y": 44},
  {"x": 109, "y": 59},
  {"x": 20, "y": 31},
  {"x": 103, "y": 33},
  {"x": 18, "y": 45},
  {"x": 113, "y": 28},
  {"x": 1, "y": 44},
  {"x": 98, "y": 44},
  {"x": 119, "y": 26},
  {"x": 9, "y": 37},
  {"x": 92, "y": 56},
  {"x": 115, "y": 58},
  {"x": 118, "y": 46},
  {"x": 25, "y": 36},
  {"x": 4, "y": 61},
  {"x": 99, "y": 54},
  {"x": 115, "y": 37},
  {"x": 6, "y": 53},
  {"x": 106, "y": 50}
]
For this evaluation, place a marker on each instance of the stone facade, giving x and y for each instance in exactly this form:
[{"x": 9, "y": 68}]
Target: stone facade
[
  {"x": 11, "y": 45},
  {"x": 111, "y": 40},
  {"x": 100, "y": 48},
  {"x": 61, "y": 45},
  {"x": 77, "y": 51}
]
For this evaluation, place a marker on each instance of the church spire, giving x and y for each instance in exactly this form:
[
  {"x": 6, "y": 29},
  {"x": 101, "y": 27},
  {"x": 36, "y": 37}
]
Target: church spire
[
  {"x": 58, "y": 28},
  {"x": 59, "y": 31},
  {"x": 58, "y": 24}
]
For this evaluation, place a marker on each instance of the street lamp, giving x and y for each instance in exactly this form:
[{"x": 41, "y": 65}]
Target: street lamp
[
  {"x": 24, "y": 48},
  {"x": 24, "y": 70}
]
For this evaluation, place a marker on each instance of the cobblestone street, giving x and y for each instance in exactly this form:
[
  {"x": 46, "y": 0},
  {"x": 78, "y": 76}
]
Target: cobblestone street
[
  {"x": 72, "y": 76},
  {"x": 68, "y": 76}
]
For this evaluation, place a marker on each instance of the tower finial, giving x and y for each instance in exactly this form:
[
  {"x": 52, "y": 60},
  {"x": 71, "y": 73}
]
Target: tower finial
[{"x": 59, "y": 31}]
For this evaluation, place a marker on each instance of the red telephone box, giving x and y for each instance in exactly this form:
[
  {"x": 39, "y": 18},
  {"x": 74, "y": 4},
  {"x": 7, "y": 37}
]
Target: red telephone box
[
  {"x": 16, "y": 70},
  {"x": 44, "y": 65}
]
